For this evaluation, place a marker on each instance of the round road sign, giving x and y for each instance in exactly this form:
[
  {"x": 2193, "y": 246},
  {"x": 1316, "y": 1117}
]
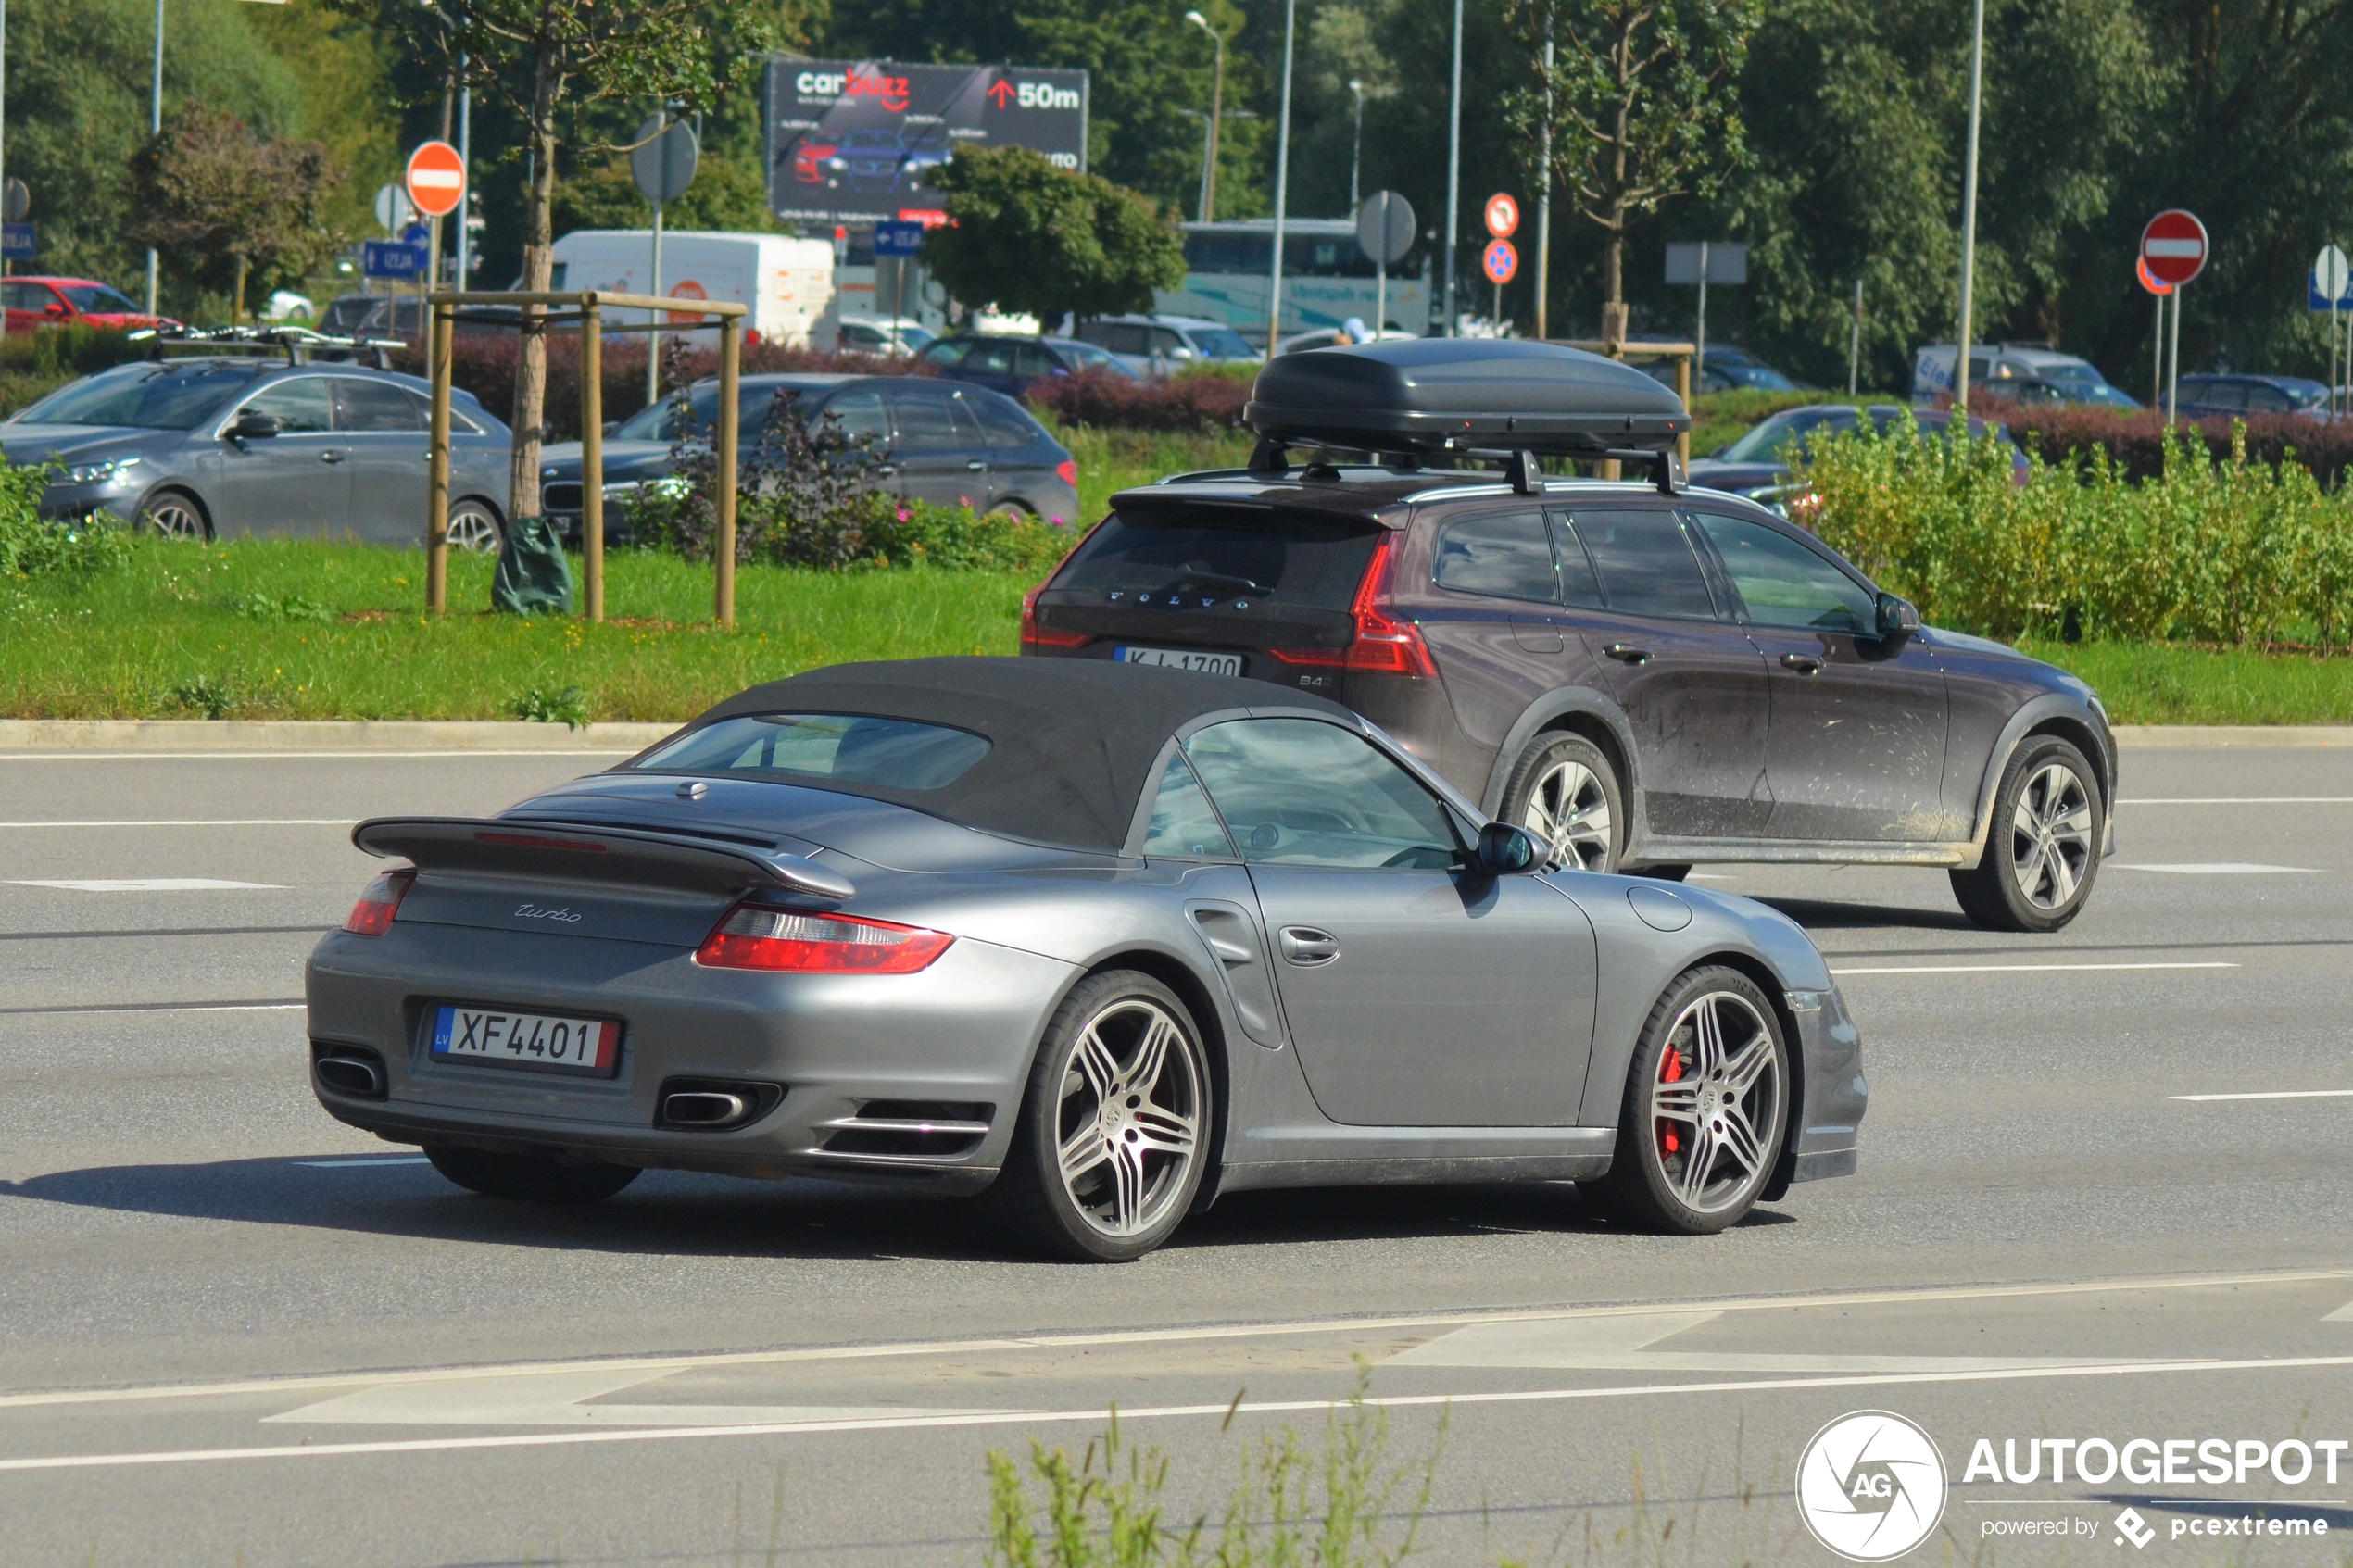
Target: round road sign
[
  {"x": 1502, "y": 215},
  {"x": 2173, "y": 247},
  {"x": 1499, "y": 261},
  {"x": 2141, "y": 270},
  {"x": 1385, "y": 227},
  {"x": 436, "y": 179},
  {"x": 664, "y": 160},
  {"x": 2329, "y": 268}
]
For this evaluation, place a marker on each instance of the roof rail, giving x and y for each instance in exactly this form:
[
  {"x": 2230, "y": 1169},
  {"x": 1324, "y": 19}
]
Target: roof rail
[{"x": 296, "y": 343}]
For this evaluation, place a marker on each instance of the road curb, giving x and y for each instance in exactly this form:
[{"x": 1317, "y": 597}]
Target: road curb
[
  {"x": 2158, "y": 737},
  {"x": 282, "y": 736}
]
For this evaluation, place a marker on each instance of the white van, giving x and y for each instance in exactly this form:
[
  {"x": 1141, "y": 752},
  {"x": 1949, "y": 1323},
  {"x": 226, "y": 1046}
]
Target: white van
[
  {"x": 2019, "y": 371},
  {"x": 787, "y": 282}
]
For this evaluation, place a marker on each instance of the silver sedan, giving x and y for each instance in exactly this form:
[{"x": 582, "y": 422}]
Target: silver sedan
[{"x": 235, "y": 447}]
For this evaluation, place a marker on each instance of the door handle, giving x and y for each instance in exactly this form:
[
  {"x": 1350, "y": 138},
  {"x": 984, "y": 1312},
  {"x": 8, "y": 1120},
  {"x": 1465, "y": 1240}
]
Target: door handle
[
  {"x": 1803, "y": 663},
  {"x": 1308, "y": 947},
  {"x": 976, "y": 466},
  {"x": 1628, "y": 653},
  {"x": 887, "y": 469},
  {"x": 331, "y": 456}
]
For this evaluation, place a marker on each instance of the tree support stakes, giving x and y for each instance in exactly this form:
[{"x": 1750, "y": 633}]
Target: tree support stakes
[
  {"x": 437, "y": 463},
  {"x": 592, "y": 462},
  {"x": 730, "y": 359}
]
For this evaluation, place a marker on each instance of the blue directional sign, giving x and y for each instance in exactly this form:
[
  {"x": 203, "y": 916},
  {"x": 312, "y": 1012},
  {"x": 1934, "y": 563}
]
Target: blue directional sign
[
  {"x": 389, "y": 258},
  {"x": 17, "y": 244},
  {"x": 893, "y": 237},
  {"x": 2313, "y": 298}
]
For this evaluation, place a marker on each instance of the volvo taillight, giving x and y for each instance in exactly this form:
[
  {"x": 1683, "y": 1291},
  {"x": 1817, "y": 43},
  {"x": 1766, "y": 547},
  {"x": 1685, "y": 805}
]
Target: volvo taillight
[
  {"x": 1032, "y": 636},
  {"x": 1383, "y": 644},
  {"x": 371, "y": 916},
  {"x": 753, "y": 936}
]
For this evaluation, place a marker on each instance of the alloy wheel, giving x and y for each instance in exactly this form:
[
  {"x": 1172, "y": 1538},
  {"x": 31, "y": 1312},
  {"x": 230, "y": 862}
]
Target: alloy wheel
[
  {"x": 472, "y": 528},
  {"x": 175, "y": 517},
  {"x": 2051, "y": 837},
  {"x": 1568, "y": 812},
  {"x": 1714, "y": 1101},
  {"x": 1127, "y": 1126}
]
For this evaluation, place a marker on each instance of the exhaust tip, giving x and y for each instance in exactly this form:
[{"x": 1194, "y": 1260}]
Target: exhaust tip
[
  {"x": 351, "y": 1076},
  {"x": 712, "y": 1105},
  {"x": 704, "y": 1108}
]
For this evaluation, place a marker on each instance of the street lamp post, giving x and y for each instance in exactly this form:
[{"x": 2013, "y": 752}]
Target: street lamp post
[
  {"x": 1453, "y": 165},
  {"x": 1355, "y": 150},
  {"x": 1282, "y": 184},
  {"x": 1216, "y": 113},
  {"x": 154, "y": 128},
  {"x": 1968, "y": 214}
]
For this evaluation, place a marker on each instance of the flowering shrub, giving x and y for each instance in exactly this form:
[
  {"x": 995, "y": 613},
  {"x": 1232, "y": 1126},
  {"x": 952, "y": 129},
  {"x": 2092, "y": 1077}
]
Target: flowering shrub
[
  {"x": 1205, "y": 401},
  {"x": 2136, "y": 442}
]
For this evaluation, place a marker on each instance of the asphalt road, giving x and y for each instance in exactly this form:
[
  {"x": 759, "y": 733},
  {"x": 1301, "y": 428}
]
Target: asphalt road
[{"x": 233, "y": 1331}]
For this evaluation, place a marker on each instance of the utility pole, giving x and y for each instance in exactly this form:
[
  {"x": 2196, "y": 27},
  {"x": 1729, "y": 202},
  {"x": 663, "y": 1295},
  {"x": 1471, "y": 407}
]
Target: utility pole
[
  {"x": 1545, "y": 199},
  {"x": 1282, "y": 184},
  {"x": 1217, "y": 112},
  {"x": 1854, "y": 340},
  {"x": 1453, "y": 164},
  {"x": 154, "y": 128},
  {"x": 466, "y": 156},
  {"x": 1355, "y": 151},
  {"x": 1969, "y": 212}
]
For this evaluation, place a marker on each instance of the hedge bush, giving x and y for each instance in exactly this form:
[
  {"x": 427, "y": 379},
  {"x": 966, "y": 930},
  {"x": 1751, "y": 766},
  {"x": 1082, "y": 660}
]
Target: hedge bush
[
  {"x": 2136, "y": 442},
  {"x": 32, "y": 544},
  {"x": 2233, "y": 552},
  {"x": 1199, "y": 403}
]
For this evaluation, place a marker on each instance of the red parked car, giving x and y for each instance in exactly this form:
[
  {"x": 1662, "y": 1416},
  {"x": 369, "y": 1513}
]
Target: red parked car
[{"x": 64, "y": 302}]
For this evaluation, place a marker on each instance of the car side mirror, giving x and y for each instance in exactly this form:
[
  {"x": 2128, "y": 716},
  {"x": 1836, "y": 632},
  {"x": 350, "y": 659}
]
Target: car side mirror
[
  {"x": 52, "y": 308},
  {"x": 1504, "y": 851},
  {"x": 250, "y": 426},
  {"x": 1897, "y": 618},
  {"x": 611, "y": 425}
]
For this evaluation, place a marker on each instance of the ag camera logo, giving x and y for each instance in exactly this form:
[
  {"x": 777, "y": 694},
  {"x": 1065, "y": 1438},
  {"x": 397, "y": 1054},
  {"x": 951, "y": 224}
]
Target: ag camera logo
[{"x": 1870, "y": 1485}]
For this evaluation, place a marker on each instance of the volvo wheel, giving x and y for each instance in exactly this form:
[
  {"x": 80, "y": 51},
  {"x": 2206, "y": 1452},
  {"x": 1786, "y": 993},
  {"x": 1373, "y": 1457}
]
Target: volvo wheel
[
  {"x": 1566, "y": 794},
  {"x": 530, "y": 1177},
  {"x": 1707, "y": 1108},
  {"x": 175, "y": 514},
  {"x": 1108, "y": 1152},
  {"x": 2043, "y": 847}
]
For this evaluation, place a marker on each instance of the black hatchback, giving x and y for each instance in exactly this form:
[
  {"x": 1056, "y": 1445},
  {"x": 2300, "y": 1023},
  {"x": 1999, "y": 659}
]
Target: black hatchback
[{"x": 1645, "y": 680}]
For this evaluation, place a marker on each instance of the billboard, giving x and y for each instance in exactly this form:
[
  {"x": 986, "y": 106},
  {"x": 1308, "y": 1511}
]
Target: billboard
[{"x": 855, "y": 141}]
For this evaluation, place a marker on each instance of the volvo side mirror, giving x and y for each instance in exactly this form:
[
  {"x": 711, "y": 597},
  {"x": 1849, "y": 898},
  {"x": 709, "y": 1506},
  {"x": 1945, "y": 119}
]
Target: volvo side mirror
[
  {"x": 1897, "y": 618},
  {"x": 1504, "y": 851}
]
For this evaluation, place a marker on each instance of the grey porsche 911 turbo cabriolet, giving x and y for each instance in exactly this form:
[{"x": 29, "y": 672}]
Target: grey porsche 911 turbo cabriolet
[{"x": 1099, "y": 941}]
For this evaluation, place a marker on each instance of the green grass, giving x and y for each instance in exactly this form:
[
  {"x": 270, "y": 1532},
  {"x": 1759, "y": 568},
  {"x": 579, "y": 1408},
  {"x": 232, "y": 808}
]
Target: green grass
[
  {"x": 2180, "y": 684},
  {"x": 1113, "y": 460},
  {"x": 300, "y": 629}
]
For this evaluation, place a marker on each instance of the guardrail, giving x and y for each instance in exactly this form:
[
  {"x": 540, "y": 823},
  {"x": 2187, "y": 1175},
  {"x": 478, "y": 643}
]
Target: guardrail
[{"x": 588, "y": 306}]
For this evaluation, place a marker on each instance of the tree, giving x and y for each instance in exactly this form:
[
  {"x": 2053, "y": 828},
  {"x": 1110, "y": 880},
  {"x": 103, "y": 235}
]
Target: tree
[
  {"x": 1024, "y": 235},
  {"x": 224, "y": 200},
  {"x": 1638, "y": 102},
  {"x": 542, "y": 58},
  {"x": 727, "y": 194}
]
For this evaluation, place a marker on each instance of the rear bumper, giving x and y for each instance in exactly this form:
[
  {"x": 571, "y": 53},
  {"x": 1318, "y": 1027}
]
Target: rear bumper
[{"x": 950, "y": 1045}]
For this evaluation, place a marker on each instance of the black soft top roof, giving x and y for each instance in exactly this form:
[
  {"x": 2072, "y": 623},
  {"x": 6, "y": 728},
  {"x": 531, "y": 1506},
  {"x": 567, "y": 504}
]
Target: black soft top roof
[{"x": 1072, "y": 741}]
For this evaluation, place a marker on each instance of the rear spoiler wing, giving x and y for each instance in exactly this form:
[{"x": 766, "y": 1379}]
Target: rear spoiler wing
[{"x": 593, "y": 852}]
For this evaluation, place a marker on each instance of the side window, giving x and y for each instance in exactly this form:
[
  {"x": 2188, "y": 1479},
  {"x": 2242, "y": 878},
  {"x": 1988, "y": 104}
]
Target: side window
[
  {"x": 1578, "y": 585},
  {"x": 1030, "y": 361},
  {"x": 861, "y": 417},
  {"x": 1167, "y": 340},
  {"x": 1646, "y": 566},
  {"x": 1183, "y": 826},
  {"x": 947, "y": 351},
  {"x": 2265, "y": 399},
  {"x": 1784, "y": 583},
  {"x": 2223, "y": 394},
  {"x": 925, "y": 423},
  {"x": 968, "y": 430},
  {"x": 1120, "y": 337},
  {"x": 1298, "y": 792},
  {"x": 300, "y": 404},
  {"x": 994, "y": 357},
  {"x": 372, "y": 406},
  {"x": 1503, "y": 554},
  {"x": 12, "y": 298},
  {"x": 1006, "y": 427}
]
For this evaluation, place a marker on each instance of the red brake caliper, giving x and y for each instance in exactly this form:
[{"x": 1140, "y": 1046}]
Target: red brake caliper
[{"x": 1670, "y": 1071}]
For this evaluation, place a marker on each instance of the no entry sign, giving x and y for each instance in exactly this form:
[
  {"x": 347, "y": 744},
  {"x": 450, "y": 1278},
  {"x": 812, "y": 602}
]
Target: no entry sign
[
  {"x": 436, "y": 179},
  {"x": 2173, "y": 247},
  {"x": 1502, "y": 215}
]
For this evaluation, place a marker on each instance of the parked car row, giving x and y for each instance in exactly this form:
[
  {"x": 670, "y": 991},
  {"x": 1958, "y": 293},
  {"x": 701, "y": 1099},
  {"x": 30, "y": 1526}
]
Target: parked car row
[{"x": 1759, "y": 465}]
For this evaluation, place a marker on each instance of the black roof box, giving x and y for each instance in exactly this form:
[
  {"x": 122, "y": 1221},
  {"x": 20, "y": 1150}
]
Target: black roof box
[{"x": 1432, "y": 395}]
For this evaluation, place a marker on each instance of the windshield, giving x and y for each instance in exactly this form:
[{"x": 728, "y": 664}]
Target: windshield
[
  {"x": 96, "y": 299},
  {"x": 1217, "y": 342},
  {"x": 2302, "y": 394},
  {"x": 843, "y": 747},
  {"x": 144, "y": 396},
  {"x": 1784, "y": 434},
  {"x": 661, "y": 422},
  {"x": 2070, "y": 370},
  {"x": 1249, "y": 553}
]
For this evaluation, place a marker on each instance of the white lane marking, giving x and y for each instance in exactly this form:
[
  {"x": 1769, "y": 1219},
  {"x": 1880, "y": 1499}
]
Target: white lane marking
[
  {"x": 559, "y": 1399},
  {"x": 172, "y": 1006},
  {"x": 2221, "y": 868},
  {"x": 294, "y": 756},
  {"x": 368, "y": 1164},
  {"x": 2244, "y": 800},
  {"x": 206, "y": 823},
  {"x": 154, "y": 884},
  {"x": 2274, "y": 1094},
  {"x": 1284, "y": 1407},
  {"x": 1623, "y": 1345},
  {"x": 2343, "y": 1314},
  {"x": 2021, "y": 968},
  {"x": 1198, "y": 1334}
]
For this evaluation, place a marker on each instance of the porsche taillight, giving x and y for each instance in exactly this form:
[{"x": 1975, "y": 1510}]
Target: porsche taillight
[
  {"x": 753, "y": 936},
  {"x": 1383, "y": 644},
  {"x": 371, "y": 916}
]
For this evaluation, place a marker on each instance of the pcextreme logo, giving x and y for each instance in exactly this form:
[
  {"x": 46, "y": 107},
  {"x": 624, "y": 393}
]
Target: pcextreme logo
[{"x": 1870, "y": 1485}]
